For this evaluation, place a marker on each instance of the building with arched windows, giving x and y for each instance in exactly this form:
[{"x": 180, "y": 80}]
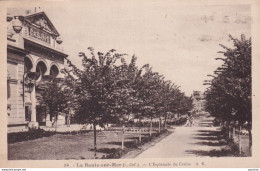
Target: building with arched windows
[{"x": 34, "y": 51}]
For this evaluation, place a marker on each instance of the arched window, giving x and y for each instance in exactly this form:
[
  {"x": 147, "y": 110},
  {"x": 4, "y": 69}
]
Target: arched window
[
  {"x": 27, "y": 64},
  {"x": 41, "y": 68},
  {"x": 54, "y": 71}
]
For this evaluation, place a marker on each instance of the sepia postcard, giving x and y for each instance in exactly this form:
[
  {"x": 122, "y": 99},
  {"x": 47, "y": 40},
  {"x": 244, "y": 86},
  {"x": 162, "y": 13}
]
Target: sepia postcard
[{"x": 130, "y": 84}]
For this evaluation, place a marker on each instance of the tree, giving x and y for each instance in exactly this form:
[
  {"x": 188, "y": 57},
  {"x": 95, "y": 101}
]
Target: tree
[
  {"x": 229, "y": 96},
  {"x": 96, "y": 88},
  {"x": 148, "y": 94},
  {"x": 124, "y": 94}
]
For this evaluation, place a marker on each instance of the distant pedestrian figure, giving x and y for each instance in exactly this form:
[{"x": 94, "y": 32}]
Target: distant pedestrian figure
[
  {"x": 187, "y": 121},
  {"x": 191, "y": 121}
]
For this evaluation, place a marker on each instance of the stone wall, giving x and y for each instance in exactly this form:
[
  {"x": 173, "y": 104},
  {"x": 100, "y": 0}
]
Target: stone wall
[{"x": 16, "y": 111}]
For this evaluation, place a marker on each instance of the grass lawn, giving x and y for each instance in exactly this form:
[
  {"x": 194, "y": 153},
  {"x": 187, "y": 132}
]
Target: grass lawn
[{"x": 65, "y": 147}]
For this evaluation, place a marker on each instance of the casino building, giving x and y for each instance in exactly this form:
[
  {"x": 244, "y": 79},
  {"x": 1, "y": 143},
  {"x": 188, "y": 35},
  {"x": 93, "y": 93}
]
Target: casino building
[{"x": 34, "y": 52}]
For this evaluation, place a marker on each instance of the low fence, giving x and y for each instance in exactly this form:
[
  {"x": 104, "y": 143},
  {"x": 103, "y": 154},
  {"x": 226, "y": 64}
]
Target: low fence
[
  {"x": 243, "y": 137},
  {"x": 240, "y": 139},
  {"x": 143, "y": 130},
  {"x": 177, "y": 121}
]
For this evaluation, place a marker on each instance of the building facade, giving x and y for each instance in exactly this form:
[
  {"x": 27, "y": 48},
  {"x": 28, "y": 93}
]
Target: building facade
[
  {"x": 34, "y": 52},
  {"x": 198, "y": 101}
]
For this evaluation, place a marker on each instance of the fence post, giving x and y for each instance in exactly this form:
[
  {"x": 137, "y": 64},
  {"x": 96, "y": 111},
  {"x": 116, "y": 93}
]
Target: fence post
[
  {"x": 234, "y": 133},
  {"x": 250, "y": 138},
  {"x": 229, "y": 132}
]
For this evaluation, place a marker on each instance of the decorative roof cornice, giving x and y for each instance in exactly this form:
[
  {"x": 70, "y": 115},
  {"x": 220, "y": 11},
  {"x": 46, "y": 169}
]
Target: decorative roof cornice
[
  {"x": 28, "y": 17},
  {"x": 45, "y": 48},
  {"x": 17, "y": 50}
]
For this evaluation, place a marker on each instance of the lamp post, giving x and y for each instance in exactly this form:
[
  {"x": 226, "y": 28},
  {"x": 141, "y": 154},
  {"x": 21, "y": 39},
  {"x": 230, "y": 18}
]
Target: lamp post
[{"x": 28, "y": 82}]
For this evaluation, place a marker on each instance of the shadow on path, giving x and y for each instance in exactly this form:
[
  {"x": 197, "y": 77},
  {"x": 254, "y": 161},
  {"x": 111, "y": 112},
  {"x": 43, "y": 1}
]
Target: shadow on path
[
  {"x": 208, "y": 135},
  {"x": 201, "y": 139},
  {"x": 208, "y": 143},
  {"x": 211, "y": 153},
  {"x": 205, "y": 138},
  {"x": 211, "y": 139},
  {"x": 106, "y": 150}
]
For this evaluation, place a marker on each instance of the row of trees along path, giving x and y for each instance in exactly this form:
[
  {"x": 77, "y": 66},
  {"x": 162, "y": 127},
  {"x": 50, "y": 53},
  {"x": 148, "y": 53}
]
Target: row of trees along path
[
  {"x": 229, "y": 96},
  {"x": 107, "y": 89}
]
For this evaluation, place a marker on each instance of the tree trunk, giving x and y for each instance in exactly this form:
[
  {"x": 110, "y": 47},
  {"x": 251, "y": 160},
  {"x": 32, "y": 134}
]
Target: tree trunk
[
  {"x": 56, "y": 122},
  {"x": 140, "y": 134},
  {"x": 250, "y": 139},
  {"x": 239, "y": 139},
  {"x": 123, "y": 136},
  {"x": 160, "y": 125},
  {"x": 95, "y": 140},
  {"x": 229, "y": 132},
  {"x": 165, "y": 118},
  {"x": 151, "y": 126}
]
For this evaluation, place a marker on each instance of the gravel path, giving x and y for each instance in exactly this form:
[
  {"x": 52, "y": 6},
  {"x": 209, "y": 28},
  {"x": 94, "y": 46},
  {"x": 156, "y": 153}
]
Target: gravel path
[{"x": 199, "y": 140}]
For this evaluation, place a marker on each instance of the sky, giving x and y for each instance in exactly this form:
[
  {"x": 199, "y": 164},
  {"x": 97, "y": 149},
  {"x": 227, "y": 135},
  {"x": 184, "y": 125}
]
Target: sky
[{"x": 179, "y": 42}]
